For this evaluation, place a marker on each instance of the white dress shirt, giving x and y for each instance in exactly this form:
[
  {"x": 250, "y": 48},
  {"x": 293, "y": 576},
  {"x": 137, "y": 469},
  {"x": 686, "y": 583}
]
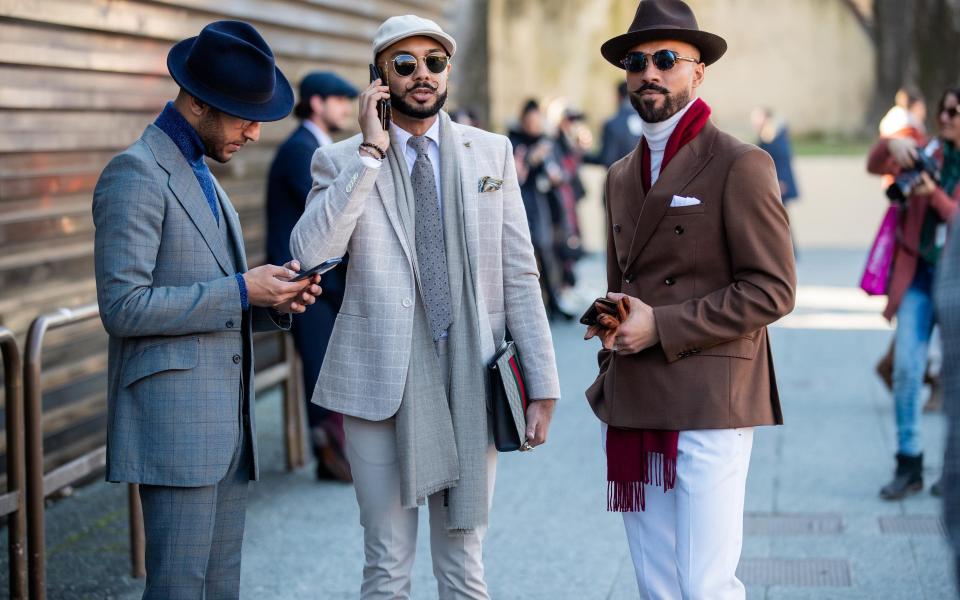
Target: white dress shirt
[
  {"x": 410, "y": 155},
  {"x": 323, "y": 138}
]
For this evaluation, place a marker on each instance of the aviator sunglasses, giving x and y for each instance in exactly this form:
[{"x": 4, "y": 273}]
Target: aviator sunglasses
[
  {"x": 405, "y": 64},
  {"x": 636, "y": 62}
]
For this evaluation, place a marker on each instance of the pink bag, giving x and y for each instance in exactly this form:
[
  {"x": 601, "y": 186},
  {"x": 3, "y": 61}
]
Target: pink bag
[{"x": 876, "y": 274}]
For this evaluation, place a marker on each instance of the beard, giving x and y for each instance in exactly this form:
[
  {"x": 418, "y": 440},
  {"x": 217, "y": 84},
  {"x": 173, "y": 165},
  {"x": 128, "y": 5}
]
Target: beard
[
  {"x": 400, "y": 104},
  {"x": 646, "y": 107},
  {"x": 210, "y": 130}
]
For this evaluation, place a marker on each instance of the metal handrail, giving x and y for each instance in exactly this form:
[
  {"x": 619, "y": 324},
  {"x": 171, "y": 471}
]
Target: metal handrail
[
  {"x": 41, "y": 485},
  {"x": 13, "y": 503}
]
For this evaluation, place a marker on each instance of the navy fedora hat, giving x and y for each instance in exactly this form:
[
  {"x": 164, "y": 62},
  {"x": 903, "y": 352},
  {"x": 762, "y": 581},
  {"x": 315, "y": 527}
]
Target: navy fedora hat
[{"x": 230, "y": 67}]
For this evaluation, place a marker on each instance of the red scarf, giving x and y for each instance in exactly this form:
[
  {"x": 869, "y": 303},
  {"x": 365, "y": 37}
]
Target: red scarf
[{"x": 639, "y": 457}]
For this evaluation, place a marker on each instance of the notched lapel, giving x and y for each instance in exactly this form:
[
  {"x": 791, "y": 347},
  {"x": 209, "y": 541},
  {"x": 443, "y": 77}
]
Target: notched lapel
[{"x": 184, "y": 185}]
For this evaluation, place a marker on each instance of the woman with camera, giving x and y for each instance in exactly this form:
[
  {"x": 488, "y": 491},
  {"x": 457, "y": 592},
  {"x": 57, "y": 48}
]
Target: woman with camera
[{"x": 926, "y": 189}]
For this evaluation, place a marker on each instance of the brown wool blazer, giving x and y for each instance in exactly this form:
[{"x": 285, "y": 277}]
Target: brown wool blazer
[{"x": 716, "y": 273}]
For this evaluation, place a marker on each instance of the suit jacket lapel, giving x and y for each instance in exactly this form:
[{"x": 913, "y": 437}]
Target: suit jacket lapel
[
  {"x": 228, "y": 212},
  {"x": 184, "y": 185},
  {"x": 687, "y": 164}
]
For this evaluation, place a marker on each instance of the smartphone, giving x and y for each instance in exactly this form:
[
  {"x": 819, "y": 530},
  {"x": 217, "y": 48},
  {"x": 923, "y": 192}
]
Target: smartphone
[
  {"x": 383, "y": 106},
  {"x": 319, "y": 269},
  {"x": 589, "y": 318}
]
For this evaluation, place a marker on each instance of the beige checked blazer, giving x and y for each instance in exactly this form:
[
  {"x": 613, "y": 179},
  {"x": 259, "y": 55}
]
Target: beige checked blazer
[{"x": 353, "y": 208}]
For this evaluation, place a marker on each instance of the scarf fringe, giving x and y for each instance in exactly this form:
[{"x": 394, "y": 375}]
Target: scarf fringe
[{"x": 630, "y": 496}]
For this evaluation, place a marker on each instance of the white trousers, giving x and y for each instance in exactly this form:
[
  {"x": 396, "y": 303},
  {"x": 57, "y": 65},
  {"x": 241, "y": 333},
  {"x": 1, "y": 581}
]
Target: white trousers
[
  {"x": 687, "y": 542},
  {"x": 390, "y": 531}
]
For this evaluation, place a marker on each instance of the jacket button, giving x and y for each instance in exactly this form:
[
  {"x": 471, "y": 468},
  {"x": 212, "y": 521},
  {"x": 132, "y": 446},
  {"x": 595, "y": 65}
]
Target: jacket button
[
  {"x": 681, "y": 355},
  {"x": 628, "y": 278},
  {"x": 407, "y": 303},
  {"x": 230, "y": 324},
  {"x": 236, "y": 359},
  {"x": 616, "y": 228},
  {"x": 670, "y": 281},
  {"x": 678, "y": 230}
]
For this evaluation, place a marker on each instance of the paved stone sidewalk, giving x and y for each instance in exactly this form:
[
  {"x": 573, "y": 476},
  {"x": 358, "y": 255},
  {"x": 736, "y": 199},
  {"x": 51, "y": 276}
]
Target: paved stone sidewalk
[{"x": 813, "y": 513}]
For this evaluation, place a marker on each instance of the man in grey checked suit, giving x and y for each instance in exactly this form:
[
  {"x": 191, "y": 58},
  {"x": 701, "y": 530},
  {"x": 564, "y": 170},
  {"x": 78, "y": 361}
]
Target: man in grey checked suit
[
  {"x": 440, "y": 264},
  {"x": 180, "y": 307}
]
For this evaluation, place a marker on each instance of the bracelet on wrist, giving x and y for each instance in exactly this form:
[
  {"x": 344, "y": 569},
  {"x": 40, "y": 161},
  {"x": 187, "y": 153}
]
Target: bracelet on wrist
[{"x": 374, "y": 150}]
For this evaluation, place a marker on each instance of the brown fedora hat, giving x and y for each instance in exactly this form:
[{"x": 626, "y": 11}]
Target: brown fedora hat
[{"x": 664, "y": 20}]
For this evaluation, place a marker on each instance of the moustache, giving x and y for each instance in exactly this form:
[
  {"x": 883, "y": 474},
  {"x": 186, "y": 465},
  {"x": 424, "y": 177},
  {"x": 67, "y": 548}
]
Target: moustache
[
  {"x": 421, "y": 86},
  {"x": 650, "y": 87}
]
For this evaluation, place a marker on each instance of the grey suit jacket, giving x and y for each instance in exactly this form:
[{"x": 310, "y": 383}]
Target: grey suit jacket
[
  {"x": 353, "y": 208},
  {"x": 181, "y": 349}
]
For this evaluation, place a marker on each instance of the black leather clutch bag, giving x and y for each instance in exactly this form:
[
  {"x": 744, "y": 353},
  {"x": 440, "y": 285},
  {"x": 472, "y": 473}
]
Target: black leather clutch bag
[{"x": 508, "y": 399}]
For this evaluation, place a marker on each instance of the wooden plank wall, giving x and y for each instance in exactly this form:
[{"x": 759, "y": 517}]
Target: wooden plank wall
[{"x": 79, "y": 81}]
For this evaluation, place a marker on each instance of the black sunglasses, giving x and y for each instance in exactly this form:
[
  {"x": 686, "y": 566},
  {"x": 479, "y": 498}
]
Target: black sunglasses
[
  {"x": 404, "y": 65},
  {"x": 951, "y": 112},
  {"x": 636, "y": 62}
]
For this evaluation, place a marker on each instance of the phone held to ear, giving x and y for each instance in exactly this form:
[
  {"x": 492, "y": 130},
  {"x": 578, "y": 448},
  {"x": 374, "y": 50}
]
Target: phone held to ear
[
  {"x": 383, "y": 106},
  {"x": 318, "y": 270}
]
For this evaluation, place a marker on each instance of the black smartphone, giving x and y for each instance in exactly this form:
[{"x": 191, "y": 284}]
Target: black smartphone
[
  {"x": 589, "y": 318},
  {"x": 383, "y": 106},
  {"x": 319, "y": 269}
]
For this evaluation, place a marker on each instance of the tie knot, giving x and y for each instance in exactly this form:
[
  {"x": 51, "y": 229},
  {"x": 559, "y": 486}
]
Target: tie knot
[{"x": 420, "y": 144}]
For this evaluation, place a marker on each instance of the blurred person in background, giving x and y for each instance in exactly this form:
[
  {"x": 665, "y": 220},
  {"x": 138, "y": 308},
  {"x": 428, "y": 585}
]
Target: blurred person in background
[
  {"x": 465, "y": 116},
  {"x": 907, "y": 119},
  {"x": 621, "y": 132},
  {"x": 573, "y": 140},
  {"x": 928, "y": 206},
  {"x": 774, "y": 138},
  {"x": 325, "y": 108},
  {"x": 539, "y": 172}
]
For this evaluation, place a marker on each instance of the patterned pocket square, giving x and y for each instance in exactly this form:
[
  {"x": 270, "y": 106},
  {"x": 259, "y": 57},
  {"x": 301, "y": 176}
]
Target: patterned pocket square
[{"x": 489, "y": 184}]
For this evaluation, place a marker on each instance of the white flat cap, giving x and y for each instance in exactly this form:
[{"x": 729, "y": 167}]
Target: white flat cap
[{"x": 395, "y": 29}]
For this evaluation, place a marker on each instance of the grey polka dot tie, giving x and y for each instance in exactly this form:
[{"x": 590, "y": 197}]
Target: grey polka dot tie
[{"x": 431, "y": 254}]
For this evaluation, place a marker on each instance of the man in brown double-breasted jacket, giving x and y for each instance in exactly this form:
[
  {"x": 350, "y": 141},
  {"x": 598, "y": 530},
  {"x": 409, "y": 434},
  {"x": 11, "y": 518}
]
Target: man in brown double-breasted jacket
[{"x": 700, "y": 252}]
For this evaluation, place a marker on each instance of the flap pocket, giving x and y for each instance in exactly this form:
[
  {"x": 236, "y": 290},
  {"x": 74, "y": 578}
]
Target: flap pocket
[
  {"x": 742, "y": 347},
  {"x": 179, "y": 355}
]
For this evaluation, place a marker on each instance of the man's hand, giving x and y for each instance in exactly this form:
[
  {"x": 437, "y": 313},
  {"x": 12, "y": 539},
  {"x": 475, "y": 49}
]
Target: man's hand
[
  {"x": 269, "y": 286},
  {"x": 903, "y": 151},
  {"x": 539, "y": 413},
  {"x": 306, "y": 298},
  {"x": 369, "y": 121},
  {"x": 638, "y": 332}
]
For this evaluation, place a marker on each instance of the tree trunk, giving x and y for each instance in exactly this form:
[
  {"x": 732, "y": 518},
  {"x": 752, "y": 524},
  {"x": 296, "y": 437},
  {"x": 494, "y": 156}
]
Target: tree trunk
[{"x": 894, "y": 26}]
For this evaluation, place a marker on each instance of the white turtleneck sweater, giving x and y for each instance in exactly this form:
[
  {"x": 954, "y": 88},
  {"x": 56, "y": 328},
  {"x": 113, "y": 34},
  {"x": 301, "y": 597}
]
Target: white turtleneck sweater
[{"x": 657, "y": 135}]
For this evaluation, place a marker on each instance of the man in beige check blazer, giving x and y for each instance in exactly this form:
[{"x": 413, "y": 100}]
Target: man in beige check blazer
[{"x": 367, "y": 193}]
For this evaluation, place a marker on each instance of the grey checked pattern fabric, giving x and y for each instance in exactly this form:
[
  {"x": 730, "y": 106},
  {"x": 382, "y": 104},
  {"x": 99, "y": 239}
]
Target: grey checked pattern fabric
[
  {"x": 194, "y": 536},
  {"x": 947, "y": 298},
  {"x": 353, "y": 208},
  {"x": 171, "y": 305},
  {"x": 431, "y": 254}
]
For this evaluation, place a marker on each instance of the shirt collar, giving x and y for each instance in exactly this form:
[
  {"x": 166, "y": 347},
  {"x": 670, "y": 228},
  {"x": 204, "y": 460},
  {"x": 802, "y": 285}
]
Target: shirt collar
[
  {"x": 186, "y": 138},
  {"x": 403, "y": 136},
  {"x": 323, "y": 138}
]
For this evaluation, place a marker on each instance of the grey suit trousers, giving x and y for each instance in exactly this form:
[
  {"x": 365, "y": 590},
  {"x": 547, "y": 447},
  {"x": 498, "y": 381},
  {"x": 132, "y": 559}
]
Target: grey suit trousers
[
  {"x": 195, "y": 534},
  {"x": 390, "y": 531}
]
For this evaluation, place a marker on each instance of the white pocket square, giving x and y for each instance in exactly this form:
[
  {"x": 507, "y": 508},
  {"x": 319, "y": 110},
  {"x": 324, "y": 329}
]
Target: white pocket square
[{"x": 683, "y": 201}]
